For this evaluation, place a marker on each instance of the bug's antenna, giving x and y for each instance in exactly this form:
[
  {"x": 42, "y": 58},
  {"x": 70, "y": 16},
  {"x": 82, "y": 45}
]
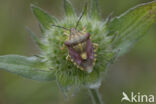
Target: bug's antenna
[
  {"x": 61, "y": 27},
  {"x": 81, "y": 15}
]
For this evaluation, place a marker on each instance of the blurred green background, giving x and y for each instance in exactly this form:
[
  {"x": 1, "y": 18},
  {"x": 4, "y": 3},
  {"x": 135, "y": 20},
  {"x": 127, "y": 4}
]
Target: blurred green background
[{"x": 135, "y": 71}]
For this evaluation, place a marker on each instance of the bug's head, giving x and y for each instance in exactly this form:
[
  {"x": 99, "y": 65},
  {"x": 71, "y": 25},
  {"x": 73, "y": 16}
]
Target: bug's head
[{"x": 73, "y": 31}]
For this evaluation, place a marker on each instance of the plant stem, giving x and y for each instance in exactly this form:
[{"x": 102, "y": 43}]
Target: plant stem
[{"x": 95, "y": 96}]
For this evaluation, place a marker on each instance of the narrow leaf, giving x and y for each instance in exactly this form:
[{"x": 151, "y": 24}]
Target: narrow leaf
[
  {"x": 69, "y": 11},
  {"x": 95, "y": 13},
  {"x": 43, "y": 17},
  {"x": 36, "y": 39},
  {"x": 28, "y": 67},
  {"x": 132, "y": 25}
]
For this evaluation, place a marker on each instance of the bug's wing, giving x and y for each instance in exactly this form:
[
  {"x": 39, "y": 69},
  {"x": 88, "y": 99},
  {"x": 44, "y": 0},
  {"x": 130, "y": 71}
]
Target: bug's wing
[
  {"x": 90, "y": 50},
  {"x": 75, "y": 55}
]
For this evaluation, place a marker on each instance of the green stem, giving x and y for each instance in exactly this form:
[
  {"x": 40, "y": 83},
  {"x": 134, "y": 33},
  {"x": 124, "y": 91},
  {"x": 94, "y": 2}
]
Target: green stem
[{"x": 95, "y": 96}]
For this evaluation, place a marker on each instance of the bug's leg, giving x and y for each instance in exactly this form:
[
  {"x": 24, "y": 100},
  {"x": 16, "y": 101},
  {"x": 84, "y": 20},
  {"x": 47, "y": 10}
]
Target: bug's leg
[
  {"x": 63, "y": 47},
  {"x": 68, "y": 58},
  {"x": 84, "y": 30},
  {"x": 95, "y": 45},
  {"x": 66, "y": 33}
]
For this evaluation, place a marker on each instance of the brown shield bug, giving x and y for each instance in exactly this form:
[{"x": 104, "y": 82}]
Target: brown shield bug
[{"x": 81, "y": 50}]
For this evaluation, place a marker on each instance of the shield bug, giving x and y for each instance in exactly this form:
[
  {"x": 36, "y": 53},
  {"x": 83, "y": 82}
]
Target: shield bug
[{"x": 81, "y": 50}]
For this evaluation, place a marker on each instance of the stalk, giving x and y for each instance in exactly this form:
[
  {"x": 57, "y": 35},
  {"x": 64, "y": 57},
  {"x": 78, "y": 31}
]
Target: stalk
[{"x": 95, "y": 96}]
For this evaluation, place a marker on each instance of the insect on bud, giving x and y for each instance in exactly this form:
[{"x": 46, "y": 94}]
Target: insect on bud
[{"x": 80, "y": 49}]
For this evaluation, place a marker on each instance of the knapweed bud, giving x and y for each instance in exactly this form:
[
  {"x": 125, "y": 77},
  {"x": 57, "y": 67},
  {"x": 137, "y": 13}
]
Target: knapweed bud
[{"x": 78, "y": 48}]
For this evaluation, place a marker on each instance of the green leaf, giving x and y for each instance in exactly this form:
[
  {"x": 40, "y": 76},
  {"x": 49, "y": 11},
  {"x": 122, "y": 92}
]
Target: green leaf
[
  {"x": 36, "y": 39},
  {"x": 128, "y": 28},
  {"x": 43, "y": 17},
  {"x": 69, "y": 11},
  {"x": 95, "y": 13},
  {"x": 85, "y": 10},
  {"x": 28, "y": 67}
]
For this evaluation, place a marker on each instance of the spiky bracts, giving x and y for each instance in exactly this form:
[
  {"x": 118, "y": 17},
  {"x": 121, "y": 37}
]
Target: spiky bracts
[{"x": 66, "y": 72}]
